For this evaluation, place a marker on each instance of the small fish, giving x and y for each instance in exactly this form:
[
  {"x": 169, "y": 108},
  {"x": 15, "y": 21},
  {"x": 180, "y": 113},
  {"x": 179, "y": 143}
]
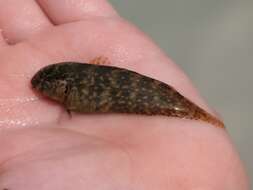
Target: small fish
[{"x": 90, "y": 88}]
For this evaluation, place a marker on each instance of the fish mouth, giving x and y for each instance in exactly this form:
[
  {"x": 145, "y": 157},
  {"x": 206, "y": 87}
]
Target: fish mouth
[{"x": 36, "y": 81}]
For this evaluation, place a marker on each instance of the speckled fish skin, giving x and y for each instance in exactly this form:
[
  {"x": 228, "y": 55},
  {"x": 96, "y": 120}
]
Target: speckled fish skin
[{"x": 89, "y": 88}]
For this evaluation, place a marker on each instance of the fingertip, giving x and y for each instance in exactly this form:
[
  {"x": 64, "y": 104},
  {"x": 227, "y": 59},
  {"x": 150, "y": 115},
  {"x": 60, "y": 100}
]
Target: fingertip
[
  {"x": 21, "y": 19},
  {"x": 70, "y": 11}
]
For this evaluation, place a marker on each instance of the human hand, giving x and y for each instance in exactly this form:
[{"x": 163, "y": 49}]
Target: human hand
[{"x": 41, "y": 148}]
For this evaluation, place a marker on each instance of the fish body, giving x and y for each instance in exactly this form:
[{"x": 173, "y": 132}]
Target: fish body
[{"x": 89, "y": 88}]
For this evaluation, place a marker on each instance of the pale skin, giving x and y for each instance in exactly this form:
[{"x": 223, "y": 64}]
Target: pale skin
[{"x": 42, "y": 148}]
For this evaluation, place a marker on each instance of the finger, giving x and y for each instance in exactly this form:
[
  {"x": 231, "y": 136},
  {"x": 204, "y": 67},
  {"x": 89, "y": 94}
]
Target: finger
[
  {"x": 69, "y": 11},
  {"x": 20, "y": 19}
]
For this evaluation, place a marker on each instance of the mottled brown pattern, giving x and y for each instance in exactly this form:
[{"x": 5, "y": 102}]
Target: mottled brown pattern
[{"x": 89, "y": 88}]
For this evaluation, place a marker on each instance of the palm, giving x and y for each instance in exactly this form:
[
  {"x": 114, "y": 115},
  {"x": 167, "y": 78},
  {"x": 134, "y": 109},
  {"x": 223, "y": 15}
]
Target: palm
[{"x": 98, "y": 152}]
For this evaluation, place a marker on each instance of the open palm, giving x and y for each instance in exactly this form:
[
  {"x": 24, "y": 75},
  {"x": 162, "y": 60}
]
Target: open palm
[{"x": 42, "y": 148}]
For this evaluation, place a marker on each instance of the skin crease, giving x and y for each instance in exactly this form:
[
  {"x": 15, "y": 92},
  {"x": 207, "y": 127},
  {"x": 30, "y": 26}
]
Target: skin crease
[{"x": 41, "y": 148}]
